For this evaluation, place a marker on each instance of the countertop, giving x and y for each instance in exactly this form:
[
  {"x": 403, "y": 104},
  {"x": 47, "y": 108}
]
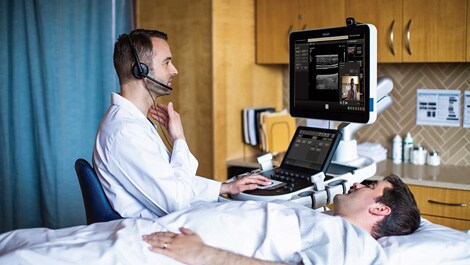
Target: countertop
[{"x": 442, "y": 176}]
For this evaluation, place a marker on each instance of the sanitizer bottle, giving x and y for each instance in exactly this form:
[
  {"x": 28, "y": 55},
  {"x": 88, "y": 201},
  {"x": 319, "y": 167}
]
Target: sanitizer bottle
[
  {"x": 407, "y": 147},
  {"x": 397, "y": 149}
]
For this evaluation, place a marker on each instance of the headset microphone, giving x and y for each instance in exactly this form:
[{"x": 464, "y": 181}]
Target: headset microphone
[
  {"x": 158, "y": 83},
  {"x": 141, "y": 70}
]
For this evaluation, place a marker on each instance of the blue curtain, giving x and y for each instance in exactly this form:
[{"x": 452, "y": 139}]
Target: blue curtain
[{"x": 57, "y": 74}]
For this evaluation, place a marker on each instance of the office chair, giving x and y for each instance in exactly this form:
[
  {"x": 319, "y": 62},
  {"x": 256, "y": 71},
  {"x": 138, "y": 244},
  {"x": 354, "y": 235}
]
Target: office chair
[{"x": 97, "y": 206}]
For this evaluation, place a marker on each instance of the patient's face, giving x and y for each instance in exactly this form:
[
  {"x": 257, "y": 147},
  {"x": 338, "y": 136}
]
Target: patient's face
[{"x": 359, "y": 199}]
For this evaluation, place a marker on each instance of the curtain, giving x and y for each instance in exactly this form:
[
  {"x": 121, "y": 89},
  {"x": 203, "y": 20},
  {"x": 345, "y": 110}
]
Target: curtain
[{"x": 57, "y": 73}]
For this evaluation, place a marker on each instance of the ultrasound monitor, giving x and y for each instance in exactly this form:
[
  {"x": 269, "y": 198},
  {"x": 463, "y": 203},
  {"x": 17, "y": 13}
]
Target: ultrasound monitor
[{"x": 333, "y": 73}]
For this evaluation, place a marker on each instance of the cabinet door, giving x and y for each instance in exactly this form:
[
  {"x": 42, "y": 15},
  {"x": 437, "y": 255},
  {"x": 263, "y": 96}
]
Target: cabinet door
[
  {"x": 386, "y": 16},
  {"x": 275, "y": 19},
  {"x": 468, "y": 32},
  {"x": 321, "y": 14},
  {"x": 434, "y": 30}
]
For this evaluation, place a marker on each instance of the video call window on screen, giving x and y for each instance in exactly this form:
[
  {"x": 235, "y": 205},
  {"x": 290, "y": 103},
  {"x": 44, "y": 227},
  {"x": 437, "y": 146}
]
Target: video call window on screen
[{"x": 329, "y": 71}]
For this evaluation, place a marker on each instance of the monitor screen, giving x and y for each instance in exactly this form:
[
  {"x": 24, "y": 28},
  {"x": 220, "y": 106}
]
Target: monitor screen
[
  {"x": 333, "y": 73},
  {"x": 311, "y": 149}
]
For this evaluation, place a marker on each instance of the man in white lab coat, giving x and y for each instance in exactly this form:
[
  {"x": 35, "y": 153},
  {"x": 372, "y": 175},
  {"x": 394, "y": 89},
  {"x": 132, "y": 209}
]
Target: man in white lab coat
[{"x": 139, "y": 175}]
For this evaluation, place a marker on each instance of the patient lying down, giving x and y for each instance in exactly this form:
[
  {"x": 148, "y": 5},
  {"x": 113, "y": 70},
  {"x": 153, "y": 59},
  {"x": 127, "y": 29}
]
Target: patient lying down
[
  {"x": 249, "y": 232},
  {"x": 382, "y": 208}
]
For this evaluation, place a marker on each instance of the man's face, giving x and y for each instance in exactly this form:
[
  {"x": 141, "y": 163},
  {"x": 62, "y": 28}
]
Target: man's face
[
  {"x": 162, "y": 68},
  {"x": 360, "y": 198}
]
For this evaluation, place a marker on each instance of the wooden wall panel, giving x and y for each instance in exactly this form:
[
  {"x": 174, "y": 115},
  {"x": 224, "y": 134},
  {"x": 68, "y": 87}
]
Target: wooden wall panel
[
  {"x": 238, "y": 81},
  {"x": 188, "y": 25}
]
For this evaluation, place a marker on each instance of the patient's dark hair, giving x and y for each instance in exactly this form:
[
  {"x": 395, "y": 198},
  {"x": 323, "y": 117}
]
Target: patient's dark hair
[
  {"x": 405, "y": 217},
  {"x": 123, "y": 57}
]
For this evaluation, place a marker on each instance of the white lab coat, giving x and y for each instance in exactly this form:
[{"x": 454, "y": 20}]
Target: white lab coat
[{"x": 138, "y": 174}]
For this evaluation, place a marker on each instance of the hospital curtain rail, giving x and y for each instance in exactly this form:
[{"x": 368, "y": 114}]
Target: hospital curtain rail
[{"x": 57, "y": 74}]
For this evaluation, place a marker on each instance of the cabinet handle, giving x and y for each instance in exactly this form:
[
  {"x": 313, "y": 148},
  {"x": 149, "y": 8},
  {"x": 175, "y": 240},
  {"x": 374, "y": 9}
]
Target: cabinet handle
[
  {"x": 448, "y": 204},
  {"x": 288, "y": 33},
  {"x": 408, "y": 36},
  {"x": 304, "y": 27},
  {"x": 392, "y": 29}
]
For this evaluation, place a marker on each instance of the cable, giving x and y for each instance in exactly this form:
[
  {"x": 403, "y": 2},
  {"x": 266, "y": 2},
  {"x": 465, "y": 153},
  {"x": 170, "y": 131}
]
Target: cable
[{"x": 155, "y": 107}]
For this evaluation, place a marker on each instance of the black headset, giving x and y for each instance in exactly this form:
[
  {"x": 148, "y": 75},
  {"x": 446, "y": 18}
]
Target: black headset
[{"x": 141, "y": 70}]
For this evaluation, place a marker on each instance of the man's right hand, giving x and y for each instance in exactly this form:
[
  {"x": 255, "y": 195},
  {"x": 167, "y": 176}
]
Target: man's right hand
[{"x": 170, "y": 119}]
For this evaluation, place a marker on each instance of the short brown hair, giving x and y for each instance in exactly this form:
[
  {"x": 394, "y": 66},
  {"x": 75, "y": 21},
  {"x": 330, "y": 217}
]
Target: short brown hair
[
  {"x": 404, "y": 217},
  {"x": 123, "y": 57}
]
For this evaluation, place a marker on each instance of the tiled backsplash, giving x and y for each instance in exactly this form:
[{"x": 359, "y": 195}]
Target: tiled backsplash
[{"x": 452, "y": 143}]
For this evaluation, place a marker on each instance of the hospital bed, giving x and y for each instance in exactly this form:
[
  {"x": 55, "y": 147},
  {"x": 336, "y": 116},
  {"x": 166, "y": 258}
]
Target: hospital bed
[{"x": 120, "y": 241}]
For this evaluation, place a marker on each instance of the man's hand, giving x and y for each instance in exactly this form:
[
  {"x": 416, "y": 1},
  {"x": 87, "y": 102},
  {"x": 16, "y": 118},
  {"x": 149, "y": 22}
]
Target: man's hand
[
  {"x": 250, "y": 182},
  {"x": 186, "y": 247},
  {"x": 170, "y": 119},
  {"x": 189, "y": 248}
]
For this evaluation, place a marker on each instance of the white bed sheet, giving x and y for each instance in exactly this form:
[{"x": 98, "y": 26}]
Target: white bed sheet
[
  {"x": 259, "y": 229},
  {"x": 251, "y": 234}
]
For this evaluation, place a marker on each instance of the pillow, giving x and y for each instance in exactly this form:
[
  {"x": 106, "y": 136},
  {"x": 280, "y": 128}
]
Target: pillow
[{"x": 430, "y": 244}]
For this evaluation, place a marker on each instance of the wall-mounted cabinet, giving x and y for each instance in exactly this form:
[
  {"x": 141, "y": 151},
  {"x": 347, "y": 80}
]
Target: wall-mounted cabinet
[
  {"x": 408, "y": 30},
  {"x": 468, "y": 32},
  {"x": 386, "y": 15},
  {"x": 435, "y": 30},
  {"x": 415, "y": 30},
  {"x": 275, "y": 19}
]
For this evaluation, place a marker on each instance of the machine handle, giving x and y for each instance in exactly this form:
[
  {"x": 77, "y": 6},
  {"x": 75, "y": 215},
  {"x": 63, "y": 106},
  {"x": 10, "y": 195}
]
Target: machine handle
[
  {"x": 408, "y": 36},
  {"x": 448, "y": 204},
  {"x": 392, "y": 29}
]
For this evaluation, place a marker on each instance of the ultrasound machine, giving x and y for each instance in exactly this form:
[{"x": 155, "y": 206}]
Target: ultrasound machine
[{"x": 333, "y": 77}]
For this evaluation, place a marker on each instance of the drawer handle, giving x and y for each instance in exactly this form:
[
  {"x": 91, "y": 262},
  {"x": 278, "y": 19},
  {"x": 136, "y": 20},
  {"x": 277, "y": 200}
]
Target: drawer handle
[{"x": 448, "y": 204}]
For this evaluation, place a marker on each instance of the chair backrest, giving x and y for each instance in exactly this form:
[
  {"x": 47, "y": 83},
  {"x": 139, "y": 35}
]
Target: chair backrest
[{"x": 96, "y": 203}]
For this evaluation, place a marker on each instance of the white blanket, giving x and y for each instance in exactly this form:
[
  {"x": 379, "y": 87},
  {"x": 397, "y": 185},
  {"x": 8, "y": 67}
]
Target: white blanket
[{"x": 266, "y": 230}]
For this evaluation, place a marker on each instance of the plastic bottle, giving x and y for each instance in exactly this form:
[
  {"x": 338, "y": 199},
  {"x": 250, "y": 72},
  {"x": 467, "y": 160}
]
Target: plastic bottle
[
  {"x": 397, "y": 149},
  {"x": 407, "y": 147}
]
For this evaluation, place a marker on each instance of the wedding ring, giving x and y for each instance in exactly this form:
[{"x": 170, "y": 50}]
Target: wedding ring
[{"x": 165, "y": 245}]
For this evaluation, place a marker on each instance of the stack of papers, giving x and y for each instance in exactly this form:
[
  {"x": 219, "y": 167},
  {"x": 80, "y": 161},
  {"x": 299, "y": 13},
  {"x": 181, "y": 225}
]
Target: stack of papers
[
  {"x": 372, "y": 150},
  {"x": 269, "y": 130}
]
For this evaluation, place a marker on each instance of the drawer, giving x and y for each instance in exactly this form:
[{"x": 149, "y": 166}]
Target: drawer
[
  {"x": 449, "y": 222},
  {"x": 442, "y": 202}
]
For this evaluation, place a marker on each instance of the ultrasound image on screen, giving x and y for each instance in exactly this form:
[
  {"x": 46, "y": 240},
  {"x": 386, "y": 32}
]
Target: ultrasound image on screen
[
  {"x": 326, "y": 61},
  {"x": 327, "y": 82}
]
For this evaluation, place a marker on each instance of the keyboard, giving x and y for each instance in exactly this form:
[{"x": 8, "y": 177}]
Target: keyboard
[{"x": 282, "y": 182}]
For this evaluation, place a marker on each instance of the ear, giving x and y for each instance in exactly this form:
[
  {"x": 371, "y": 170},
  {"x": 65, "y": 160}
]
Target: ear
[{"x": 380, "y": 210}]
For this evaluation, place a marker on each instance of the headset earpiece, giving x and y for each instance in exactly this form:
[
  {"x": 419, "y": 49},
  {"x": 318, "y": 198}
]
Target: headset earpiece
[{"x": 137, "y": 73}]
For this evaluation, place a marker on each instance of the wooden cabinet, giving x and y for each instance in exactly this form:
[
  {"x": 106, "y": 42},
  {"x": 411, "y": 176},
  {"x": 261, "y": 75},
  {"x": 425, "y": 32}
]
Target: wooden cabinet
[
  {"x": 468, "y": 31},
  {"x": 443, "y": 206},
  {"x": 415, "y": 30},
  {"x": 386, "y": 16},
  {"x": 434, "y": 30},
  {"x": 275, "y": 19}
]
